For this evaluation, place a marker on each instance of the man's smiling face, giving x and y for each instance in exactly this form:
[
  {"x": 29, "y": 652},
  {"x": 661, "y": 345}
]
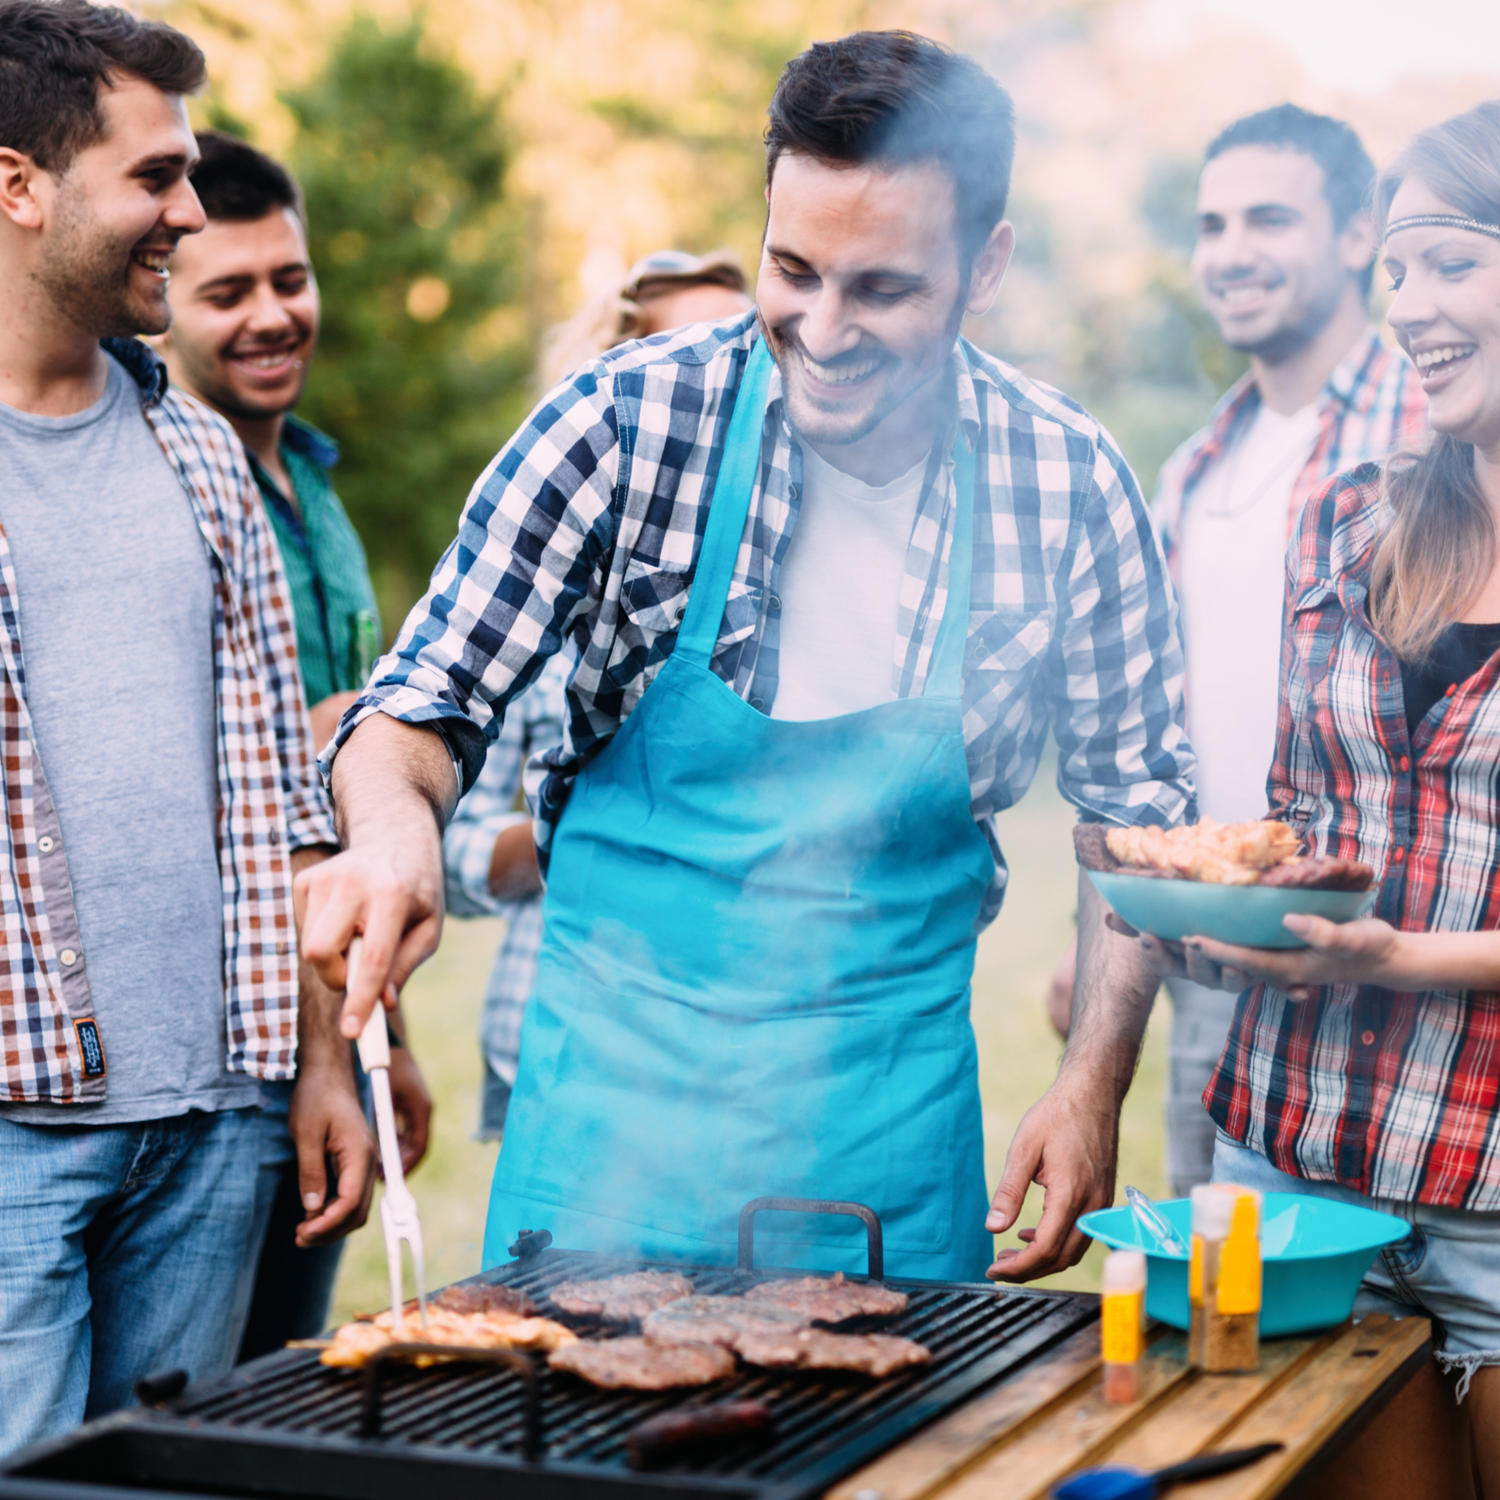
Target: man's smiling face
[
  {"x": 116, "y": 213},
  {"x": 245, "y": 314},
  {"x": 1269, "y": 262},
  {"x": 859, "y": 291}
]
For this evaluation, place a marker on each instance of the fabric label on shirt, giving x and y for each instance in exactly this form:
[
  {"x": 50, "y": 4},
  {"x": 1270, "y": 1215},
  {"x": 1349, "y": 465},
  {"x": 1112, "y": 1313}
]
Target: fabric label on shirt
[{"x": 88, "y": 1045}]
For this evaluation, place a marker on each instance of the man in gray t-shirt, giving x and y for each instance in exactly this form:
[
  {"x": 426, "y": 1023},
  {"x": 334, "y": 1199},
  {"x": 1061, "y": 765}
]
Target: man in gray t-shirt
[{"x": 158, "y": 777}]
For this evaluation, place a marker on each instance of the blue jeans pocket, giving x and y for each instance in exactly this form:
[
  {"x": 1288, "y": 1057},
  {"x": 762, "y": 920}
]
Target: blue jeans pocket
[{"x": 1405, "y": 1257}]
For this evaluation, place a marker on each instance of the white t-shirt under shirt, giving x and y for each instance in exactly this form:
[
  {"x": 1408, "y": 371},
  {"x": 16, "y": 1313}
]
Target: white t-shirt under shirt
[
  {"x": 1232, "y": 571},
  {"x": 840, "y": 591}
]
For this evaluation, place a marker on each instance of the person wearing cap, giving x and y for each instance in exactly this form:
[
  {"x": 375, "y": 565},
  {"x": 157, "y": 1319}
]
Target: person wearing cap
[
  {"x": 832, "y": 575},
  {"x": 664, "y": 290},
  {"x": 1365, "y": 1067},
  {"x": 489, "y": 856}
]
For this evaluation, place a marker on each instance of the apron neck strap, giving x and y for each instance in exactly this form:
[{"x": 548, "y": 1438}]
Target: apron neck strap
[
  {"x": 729, "y": 504},
  {"x": 946, "y": 674}
]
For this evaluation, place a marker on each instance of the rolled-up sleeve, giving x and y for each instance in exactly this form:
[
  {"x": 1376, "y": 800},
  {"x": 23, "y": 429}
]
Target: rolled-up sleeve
[{"x": 534, "y": 532}]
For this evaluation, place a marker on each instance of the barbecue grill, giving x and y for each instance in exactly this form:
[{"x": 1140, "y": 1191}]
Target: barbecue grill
[{"x": 286, "y": 1426}]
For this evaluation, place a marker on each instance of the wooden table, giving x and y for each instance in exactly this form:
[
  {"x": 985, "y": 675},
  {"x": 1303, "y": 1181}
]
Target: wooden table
[{"x": 1021, "y": 1437}]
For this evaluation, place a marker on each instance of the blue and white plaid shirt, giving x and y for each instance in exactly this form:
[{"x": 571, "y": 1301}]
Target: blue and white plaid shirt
[
  {"x": 534, "y": 724},
  {"x": 587, "y": 526}
]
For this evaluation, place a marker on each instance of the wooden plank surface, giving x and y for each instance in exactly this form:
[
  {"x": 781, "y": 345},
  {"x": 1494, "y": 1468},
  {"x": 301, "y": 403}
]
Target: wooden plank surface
[
  {"x": 1308, "y": 1411},
  {"x": 1050, "y": 1419},
  {"x": 939, "y": 1454}
]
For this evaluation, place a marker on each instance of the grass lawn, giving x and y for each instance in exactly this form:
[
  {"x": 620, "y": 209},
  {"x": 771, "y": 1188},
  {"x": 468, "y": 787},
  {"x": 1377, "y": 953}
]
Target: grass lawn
[{"x": 1017, "y": 1057}]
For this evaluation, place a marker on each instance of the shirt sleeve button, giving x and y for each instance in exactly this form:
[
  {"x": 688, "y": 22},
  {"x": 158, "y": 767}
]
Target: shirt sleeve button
[
  {"x": 68, "y": 957},
  {"x": 1368, "y": 1038},
  {"x": 46, "y": 843},
  {"x": 758, "y": 704}
]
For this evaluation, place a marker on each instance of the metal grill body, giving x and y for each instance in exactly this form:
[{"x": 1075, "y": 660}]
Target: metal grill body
[{"x": 287, "y": 1426}]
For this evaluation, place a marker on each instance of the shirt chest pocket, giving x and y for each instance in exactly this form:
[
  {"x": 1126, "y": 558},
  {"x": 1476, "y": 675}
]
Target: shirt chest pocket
[
  {"x": 1315, "y": 622},
  {"x": 653, "y": 605}
]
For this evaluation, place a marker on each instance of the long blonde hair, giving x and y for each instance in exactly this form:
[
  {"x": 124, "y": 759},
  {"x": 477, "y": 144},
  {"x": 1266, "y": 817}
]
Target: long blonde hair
[{"x": 1440, "y": 546}]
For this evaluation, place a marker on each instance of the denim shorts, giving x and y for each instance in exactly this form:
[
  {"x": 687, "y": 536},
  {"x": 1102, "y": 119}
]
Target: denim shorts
[{"x": 1446, "y": 1269}]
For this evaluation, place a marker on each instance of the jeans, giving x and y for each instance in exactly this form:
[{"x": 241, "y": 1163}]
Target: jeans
[
  {"x": 1201, "y": 1019},
  {"x": 283, "y": 1292},
  {"x": 1446, "y": 1269},
  {"x": 119, "y": 1247}
]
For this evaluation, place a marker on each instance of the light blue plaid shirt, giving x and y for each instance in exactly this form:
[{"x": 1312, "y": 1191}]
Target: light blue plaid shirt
[
  {"x": 585, "y": 529},
  {"x": 534, "y": 724}
]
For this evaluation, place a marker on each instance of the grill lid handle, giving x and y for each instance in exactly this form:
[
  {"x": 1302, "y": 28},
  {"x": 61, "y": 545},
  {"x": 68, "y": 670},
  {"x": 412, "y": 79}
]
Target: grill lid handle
[{"x": 812, "y": 1206}]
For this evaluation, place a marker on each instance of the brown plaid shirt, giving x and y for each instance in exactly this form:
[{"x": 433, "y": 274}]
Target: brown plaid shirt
[{"x": 270, "y": 799}]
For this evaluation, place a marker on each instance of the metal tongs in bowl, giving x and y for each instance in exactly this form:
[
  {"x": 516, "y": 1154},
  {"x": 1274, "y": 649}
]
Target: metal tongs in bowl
[{"x": 398, "y": 1209}]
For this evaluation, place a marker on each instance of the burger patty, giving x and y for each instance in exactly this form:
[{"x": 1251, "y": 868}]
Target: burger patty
[
  {"x": 1321, "y": 872},
  {"x": 719, "y": 1320},
  {"x": 816, "y": 1349},
  {"x": 642, "y": 1364},
  {"x": 825, "y": 1300},
  {"x": 621, "y": 1299},
  {"x": 483, "y": 1297}
]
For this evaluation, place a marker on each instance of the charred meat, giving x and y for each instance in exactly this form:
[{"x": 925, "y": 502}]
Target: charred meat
[
  {"x": 816, "y": 1349},
  {"x": 825, "y": 1300},
  {"x": 621, "y": 1299},
  {"x": 693, "y": 1429},
  {"x": 483, "y": 1297},
  {"x": 718, "y": 1320},
  {"x": 1322, "y": 872},
  {"x": 643, "y": 1365}
]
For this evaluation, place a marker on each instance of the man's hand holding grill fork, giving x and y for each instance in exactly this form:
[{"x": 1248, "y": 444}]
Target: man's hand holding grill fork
[{"x": 393, "y": 789}]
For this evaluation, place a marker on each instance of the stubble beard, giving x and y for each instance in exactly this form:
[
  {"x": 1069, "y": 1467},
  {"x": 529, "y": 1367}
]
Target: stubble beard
[
  {"x": 1307, "y": 320},
  {"x": 838, "y": 430},
  {"x": 87, "y": 277}
]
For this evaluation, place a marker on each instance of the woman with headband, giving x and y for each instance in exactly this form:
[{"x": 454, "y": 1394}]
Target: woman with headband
[{"x": 1366, "y": 1066}]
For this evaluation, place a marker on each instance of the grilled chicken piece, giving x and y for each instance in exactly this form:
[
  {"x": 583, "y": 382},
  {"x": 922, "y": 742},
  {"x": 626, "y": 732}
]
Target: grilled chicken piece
[
  {"x": 643, "y": 1365},
  {"x": 354, "y": 1343},
  {"x": 1321, "y": 872},
  {"x": 830, "y": 1300},
  {"x": 621, "y": 1299},
  {"x": 718, "y": 1320},
  {"x": 1208, "y": 851},
  {"x": 816, "y": 1349}
]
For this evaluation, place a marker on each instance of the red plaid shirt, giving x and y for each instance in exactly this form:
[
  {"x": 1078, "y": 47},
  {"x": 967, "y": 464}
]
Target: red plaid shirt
[
  {"x": 1391, "y": 1094},
  {"x": 270, "y": 798},
  {"x": 1371, "y": 405}
]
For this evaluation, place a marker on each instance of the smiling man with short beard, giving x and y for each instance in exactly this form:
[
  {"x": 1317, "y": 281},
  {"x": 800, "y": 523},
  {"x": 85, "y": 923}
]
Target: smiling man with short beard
[
  {"x": 833, "y": 575},
  {"x": 158, "y": 772}
]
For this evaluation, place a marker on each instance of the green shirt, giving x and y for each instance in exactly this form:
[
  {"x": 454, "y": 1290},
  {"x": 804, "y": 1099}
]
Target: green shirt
[{"x": 338, "y": 625}]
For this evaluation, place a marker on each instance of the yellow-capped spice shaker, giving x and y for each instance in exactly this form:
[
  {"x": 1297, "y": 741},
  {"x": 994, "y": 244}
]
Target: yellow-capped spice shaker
[
  {"x": 1224, "y": 1279},
  {"x": 1122, "y": 1322}
]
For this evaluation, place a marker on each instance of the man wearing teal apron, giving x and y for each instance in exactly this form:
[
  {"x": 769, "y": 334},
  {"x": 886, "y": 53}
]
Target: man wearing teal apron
[{"x": 832, "y": 575}]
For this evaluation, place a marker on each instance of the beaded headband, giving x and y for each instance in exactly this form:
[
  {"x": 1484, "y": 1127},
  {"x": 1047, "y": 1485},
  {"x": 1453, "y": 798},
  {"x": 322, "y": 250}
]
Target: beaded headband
[{"x": 1443, "y": 221}]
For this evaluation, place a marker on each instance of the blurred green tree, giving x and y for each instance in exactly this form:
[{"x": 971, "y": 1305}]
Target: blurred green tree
[{"x": 422, "y": 365}]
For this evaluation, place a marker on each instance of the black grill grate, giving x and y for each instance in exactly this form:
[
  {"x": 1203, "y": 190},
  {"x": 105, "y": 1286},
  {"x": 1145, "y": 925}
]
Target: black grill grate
[{"x": 826, "y": 1424}]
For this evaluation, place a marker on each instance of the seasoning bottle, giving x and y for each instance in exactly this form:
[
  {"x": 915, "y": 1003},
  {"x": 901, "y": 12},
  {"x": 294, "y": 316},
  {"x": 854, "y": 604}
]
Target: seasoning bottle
[
  {"x": 1224, "y": 1279},
  {"x": 1123, "y": 1326}
]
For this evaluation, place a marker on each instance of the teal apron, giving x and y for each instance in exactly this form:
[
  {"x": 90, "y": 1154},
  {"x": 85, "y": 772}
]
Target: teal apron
[{"x": 755, "y": 974}]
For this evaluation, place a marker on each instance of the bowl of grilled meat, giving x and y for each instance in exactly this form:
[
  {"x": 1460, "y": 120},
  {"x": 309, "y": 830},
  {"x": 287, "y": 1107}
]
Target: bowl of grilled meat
[{"x": 1230, "y": 881}]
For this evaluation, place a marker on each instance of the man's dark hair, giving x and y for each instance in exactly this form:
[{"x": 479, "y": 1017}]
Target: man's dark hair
[
  {"x": 56, "y": 55},
  {"x": 237, "y": 183},
  {"x": 896, "y": 98},
  {"x": 1348, "y": 172}
]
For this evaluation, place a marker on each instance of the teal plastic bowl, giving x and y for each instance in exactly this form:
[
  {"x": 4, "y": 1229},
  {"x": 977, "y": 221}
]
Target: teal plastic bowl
[
  {"x": 1246, "y": 914},
  {"x": 1314, "y": 1252}
]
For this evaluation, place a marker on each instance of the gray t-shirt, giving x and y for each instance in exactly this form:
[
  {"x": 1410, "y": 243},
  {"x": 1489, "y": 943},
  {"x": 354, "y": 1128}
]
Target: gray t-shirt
[{"x": 116, "y": 606}]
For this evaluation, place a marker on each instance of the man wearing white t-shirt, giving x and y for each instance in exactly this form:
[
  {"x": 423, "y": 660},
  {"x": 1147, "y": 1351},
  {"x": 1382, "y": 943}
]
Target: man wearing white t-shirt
[{"x": 1284, "y": 261}]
